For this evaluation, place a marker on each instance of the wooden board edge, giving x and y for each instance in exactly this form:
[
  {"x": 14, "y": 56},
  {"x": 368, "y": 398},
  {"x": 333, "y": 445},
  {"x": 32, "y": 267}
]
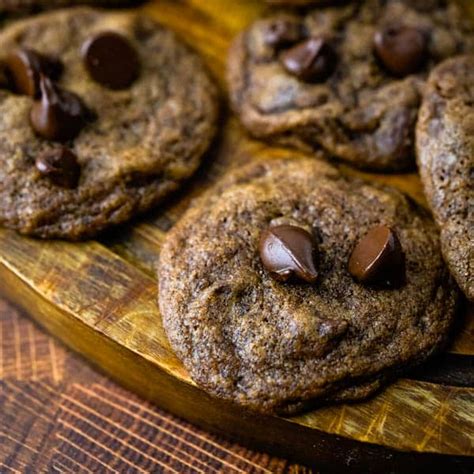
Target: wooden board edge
[{"x": 276, "y": 435}]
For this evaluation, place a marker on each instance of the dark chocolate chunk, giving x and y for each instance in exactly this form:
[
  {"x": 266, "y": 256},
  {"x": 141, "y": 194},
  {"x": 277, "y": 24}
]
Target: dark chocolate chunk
[
  {"x": 59, "y": 114},
  {"x": 283, "y": 32},
  {"x": 5, "y": 79},
  {"x": 60, "y": 166},
  {"x": 401, "y": 49},
  {"x": 25, "y": 67},
  {"x": 378, "y": 258},
  {"x": 287, "y": 250},
  {"x": 312, "y": 60},
  {"x": 111, "y": 60}
]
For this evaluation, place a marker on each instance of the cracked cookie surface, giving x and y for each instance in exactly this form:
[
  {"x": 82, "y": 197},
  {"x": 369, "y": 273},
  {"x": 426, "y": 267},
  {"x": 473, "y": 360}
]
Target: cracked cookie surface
[{"x": 445, "y": 153}]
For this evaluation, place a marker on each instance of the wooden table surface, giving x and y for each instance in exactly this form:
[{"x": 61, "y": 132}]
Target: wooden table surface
[{"x": 57, "y": 414}]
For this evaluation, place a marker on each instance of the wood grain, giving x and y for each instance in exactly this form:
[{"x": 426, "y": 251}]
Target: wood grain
[{"x": 100, "y": 298}]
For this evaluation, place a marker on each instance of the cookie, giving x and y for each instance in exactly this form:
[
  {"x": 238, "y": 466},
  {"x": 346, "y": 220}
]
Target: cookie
[
  {"x": 118, "y": 131},
  {"x": 289, "y": 284},
  {"x": 445, "y": 152},
  {"x": 346, "y": 78},
  {"x": 20, "y": 7},
  {"x": 297, "y": 3}
]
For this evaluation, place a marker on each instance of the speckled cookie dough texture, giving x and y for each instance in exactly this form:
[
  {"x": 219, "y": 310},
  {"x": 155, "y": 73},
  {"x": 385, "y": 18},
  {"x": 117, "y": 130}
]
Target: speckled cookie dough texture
[
  {"x": 278, "y": 346},
  {"x": 445, "y": 151},
  {"x": 361, "y": 112},
  {"x": 146, "y": 138}
]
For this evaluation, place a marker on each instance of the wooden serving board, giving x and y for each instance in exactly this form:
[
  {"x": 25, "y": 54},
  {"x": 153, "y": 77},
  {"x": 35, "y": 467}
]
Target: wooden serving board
[{"x": 99, "y": 297}]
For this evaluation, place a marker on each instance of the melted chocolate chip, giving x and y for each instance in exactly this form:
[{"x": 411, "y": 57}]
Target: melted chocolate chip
[
  {"x": 5, "y": 79},
  {"x": 111, "y": 60},
  {"x": 287, "y": 250},
  {"x": 25, "y": 67},
  {"x": 282, "y": 32},
  {"x": 59, "y": 115},
  {"x": 402, "y": 49},
  {"x": 60, "y": 166},
  {"x": 378, "y": 258},
  {"x": 312, "y": 60}
]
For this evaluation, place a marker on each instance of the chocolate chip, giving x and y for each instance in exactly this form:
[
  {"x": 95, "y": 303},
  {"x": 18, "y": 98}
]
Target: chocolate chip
[
  {"x": 378, "y": 258},
  {"x": 287, "y": 250},
  {"x": 59, "y": 115},
  {"x": 282, "y": 32},
  {"x": 111, "y": 60},
  {"x": 5, "y": 80},
  {"x": 26, "y": 66},
  {"x": 60, "y": 166},
  {"x": 312, "y": 60},
  {"x": 401, "y": 49}
]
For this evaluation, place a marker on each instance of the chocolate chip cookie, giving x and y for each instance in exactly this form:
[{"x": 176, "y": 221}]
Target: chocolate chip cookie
[
  {"x": 346, "y": 78},
  {"x": 445, "y": 152},
  {"x": 98, "y": 120},
  {"x": 289, "y": 283}
]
